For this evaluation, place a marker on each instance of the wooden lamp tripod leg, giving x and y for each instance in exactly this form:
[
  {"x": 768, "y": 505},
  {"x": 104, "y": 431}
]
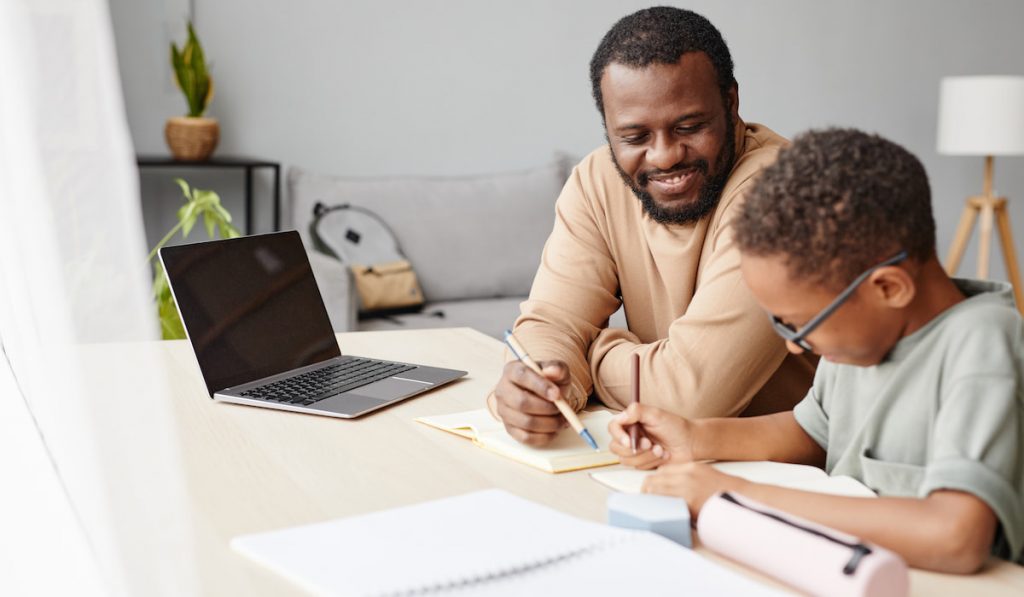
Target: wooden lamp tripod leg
[
  {"x": 985, "y": 239},
  {"x": 963, "y": 236},
  {"x": 1009, "y": 253}
]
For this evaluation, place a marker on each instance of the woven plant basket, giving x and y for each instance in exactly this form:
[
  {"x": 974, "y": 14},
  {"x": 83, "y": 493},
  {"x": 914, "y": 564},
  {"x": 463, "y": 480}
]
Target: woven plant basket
[{"x": 191, "y": 139}]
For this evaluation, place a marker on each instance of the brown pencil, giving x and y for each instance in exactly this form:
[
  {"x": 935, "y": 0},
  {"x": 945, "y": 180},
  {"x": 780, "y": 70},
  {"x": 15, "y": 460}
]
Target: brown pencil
[{"x": 634, "y": 430}]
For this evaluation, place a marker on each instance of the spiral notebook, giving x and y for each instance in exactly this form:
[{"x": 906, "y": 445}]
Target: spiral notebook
[
  {"x": 485, "y": 543},
  {"x": 794, "y": 476},
  {"x": 568, "y": 451}
]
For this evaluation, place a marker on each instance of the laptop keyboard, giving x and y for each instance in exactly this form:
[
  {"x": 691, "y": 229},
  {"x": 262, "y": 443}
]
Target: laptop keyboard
[{"x": 318, "y": 384}]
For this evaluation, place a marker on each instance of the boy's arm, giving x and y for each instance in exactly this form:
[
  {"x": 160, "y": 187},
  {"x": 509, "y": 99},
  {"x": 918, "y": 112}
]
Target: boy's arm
[
  {"x": 776, "y": 437},
  {"x": 666, "y": 437},
  {"x": 948, "y": 531}
]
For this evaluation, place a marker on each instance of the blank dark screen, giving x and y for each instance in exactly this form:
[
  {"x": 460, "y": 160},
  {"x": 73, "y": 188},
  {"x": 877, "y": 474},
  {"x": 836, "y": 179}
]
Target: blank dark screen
[{"x": 251, "y": 307}]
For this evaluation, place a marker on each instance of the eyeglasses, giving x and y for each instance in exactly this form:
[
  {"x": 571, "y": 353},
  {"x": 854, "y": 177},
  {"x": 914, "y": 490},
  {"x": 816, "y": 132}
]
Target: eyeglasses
[{"x": 797, "y": 336}]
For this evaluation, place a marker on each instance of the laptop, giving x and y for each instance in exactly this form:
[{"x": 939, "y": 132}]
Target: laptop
[{"x": 257, "y": 323}]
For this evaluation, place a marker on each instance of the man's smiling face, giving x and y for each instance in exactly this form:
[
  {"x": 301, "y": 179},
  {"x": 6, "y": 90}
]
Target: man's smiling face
[{"x": 671, "y": 134}]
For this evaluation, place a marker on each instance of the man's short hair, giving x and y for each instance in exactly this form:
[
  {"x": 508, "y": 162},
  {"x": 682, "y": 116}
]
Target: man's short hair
[
  {"x": 660, "y": 34},
  {"x": 837, "y": 202}
]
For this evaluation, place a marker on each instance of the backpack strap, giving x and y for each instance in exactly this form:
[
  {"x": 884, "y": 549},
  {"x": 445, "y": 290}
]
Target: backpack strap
[{"x": 320, "y": 211}]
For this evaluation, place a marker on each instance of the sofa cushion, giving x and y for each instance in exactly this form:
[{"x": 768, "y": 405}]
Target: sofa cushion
[{"x": 467, "y": 237}]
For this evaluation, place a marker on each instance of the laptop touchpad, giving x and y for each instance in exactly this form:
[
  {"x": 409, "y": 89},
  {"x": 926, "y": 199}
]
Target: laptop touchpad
[{"x": 389, "y": 389}]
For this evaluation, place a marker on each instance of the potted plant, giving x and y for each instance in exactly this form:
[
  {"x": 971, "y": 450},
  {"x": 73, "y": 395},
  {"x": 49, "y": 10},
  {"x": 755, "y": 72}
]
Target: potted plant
[
  {"x": 192, "y": 137},
  {"x": 198, "y": 203}
]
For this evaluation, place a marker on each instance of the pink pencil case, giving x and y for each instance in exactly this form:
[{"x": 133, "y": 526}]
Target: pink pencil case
[{"x": 805, "y": 555}]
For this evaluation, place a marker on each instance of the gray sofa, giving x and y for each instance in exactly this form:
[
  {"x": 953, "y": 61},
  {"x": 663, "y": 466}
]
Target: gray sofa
[{"x": 475, "y": 242}]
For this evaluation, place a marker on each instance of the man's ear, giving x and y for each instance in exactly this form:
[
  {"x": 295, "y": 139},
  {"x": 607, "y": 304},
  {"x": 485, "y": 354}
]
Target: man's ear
[
  {"x": 892, "y": 286},
  {"x": 733, "y": 97}
]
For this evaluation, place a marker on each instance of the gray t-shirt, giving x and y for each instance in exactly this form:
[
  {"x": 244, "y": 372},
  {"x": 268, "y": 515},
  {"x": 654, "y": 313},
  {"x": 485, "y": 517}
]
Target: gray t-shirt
[{"x": 944, "y": 410}]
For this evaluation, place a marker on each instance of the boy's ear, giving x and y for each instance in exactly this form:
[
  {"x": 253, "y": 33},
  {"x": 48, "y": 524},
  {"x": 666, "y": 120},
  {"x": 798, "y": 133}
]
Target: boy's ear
[{"x": 892, "y": 286}]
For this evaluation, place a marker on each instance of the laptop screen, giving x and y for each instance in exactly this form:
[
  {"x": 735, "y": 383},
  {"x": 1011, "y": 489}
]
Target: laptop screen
[{"x": 251, "y": 307}]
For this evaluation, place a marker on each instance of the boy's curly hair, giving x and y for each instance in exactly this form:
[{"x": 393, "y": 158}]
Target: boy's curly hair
[{"x": 835, "y": 203}]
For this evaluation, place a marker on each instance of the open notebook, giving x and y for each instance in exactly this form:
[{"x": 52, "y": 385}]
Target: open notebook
[
  {"x": 795, "y": 476},
  {"x": 568, "y": 452},
  {"x": 485, "y": 543}
]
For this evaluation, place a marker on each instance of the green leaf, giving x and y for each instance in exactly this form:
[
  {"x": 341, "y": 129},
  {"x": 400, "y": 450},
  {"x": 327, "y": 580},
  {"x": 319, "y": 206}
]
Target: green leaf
[
  {"x": 210, "y": 223},
  {"x": 187, "y": 226},
  {"x": 204, "y": 197},
  {"x": 177, "y": 64},
  {"x": 202, "y": 77},
  {"x": 187, "y": 213},
  {"x": 185, "y": 190},
  {"x": 188, "y": 85},
  {"x": 159, "y": 280},
  {"x": 209, "y": 94},
  {"x": 198, "y": 202},
  {"x": 171, "y": 327},
  {"x": 192, "y": 74},
  {"x": 224, "y": 214}
]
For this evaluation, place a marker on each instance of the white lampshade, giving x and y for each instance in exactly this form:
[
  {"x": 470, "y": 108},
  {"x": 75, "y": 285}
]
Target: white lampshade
[{"x": 981, "y": 116}]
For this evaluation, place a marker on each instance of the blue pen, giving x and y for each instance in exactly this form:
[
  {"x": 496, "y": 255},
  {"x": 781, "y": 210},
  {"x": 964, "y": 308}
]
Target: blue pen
[{"x": 568, "y": 413}]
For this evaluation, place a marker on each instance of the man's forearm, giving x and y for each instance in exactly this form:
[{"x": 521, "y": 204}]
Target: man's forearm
[
  {"x": 775, "y": 437},
  {"x": 690, "y": 380}
]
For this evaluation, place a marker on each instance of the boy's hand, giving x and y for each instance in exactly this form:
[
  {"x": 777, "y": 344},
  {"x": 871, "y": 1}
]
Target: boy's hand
[
  {"x": 663, "y": 436},
  {"x": 524, "y": 401},
  {"x": 695, "y": 482}
]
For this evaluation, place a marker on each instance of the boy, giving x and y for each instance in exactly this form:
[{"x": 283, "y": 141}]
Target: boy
[{"x": 919, "y": 391}]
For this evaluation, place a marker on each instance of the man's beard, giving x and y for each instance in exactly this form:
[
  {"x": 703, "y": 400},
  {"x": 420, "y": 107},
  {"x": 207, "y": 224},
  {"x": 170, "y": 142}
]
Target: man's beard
[{"x": 709, "y": 194}]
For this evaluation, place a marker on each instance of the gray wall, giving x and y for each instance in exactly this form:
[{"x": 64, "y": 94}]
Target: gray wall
[{"x": 463, "y": 87}]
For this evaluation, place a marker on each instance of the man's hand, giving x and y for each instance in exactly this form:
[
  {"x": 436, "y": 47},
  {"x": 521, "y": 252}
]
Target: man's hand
[
  {"x": 525, "y": 401},
  {"x": 695, "y": 482},
  {"x": 663, "y": 436}
]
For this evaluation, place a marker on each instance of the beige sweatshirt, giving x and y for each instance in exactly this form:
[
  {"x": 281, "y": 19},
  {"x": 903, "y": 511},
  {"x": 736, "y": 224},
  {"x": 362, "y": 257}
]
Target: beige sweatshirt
[{"x": 706, "y": 348}]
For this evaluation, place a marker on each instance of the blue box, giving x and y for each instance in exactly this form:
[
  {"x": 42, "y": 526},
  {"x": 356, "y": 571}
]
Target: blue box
[{"x": 666, "y": 516}]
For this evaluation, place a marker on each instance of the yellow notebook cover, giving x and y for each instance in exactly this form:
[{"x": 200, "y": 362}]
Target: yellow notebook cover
[{"x": 568, "y": 452}]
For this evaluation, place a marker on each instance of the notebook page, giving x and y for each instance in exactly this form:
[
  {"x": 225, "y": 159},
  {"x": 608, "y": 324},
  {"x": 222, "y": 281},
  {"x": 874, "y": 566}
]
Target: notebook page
[
  {"x": 639, "y": 564},
  {"x": 775, "y": 473},
  {"x": 796, "y": 476},
  {"x": 626, "y": 480},
  {"x": 433, "y": 544},
  {"x": 467, "y": 424},
  {"x": 837, "y": 485},
  {"x": 568, "y": 451}
]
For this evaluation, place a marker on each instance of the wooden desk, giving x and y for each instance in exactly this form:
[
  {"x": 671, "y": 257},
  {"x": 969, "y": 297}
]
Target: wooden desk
[{"x": 250, "y": 469}]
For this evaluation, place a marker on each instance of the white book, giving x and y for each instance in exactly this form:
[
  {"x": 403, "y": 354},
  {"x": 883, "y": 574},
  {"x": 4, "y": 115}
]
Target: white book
[
  {"x": 794, "y": 476},
  {"x": 568, "y": 451},
  {"x": 485, "y": 543}
]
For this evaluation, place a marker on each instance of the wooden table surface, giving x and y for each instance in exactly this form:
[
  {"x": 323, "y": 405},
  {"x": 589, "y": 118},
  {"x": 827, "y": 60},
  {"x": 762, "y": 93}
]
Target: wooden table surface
[{"x": 250, "y": 469}]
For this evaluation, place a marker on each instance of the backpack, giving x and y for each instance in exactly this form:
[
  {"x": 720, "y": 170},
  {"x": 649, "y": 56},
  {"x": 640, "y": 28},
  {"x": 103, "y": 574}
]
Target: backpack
[{"x": 359, "y": 238}]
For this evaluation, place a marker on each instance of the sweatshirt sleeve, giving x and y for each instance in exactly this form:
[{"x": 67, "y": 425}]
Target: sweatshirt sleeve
[
  {"x": 575, "y": 290},
  {"x": 717, "y": 355}
]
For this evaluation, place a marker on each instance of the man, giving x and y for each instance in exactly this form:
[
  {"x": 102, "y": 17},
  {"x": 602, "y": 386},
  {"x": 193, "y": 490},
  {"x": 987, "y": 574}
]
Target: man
[{"x": 645, "y": 222}]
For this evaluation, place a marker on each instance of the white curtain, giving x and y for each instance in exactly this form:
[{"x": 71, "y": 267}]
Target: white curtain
[{"x": 74, "y": 285}]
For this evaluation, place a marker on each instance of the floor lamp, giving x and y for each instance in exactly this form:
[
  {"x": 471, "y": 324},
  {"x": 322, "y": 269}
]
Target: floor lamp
[{"x": 983, "y": 116}]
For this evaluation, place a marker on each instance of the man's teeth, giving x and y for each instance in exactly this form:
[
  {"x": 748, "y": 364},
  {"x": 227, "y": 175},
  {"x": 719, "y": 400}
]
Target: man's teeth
[{"x": 673, "y": 180}]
